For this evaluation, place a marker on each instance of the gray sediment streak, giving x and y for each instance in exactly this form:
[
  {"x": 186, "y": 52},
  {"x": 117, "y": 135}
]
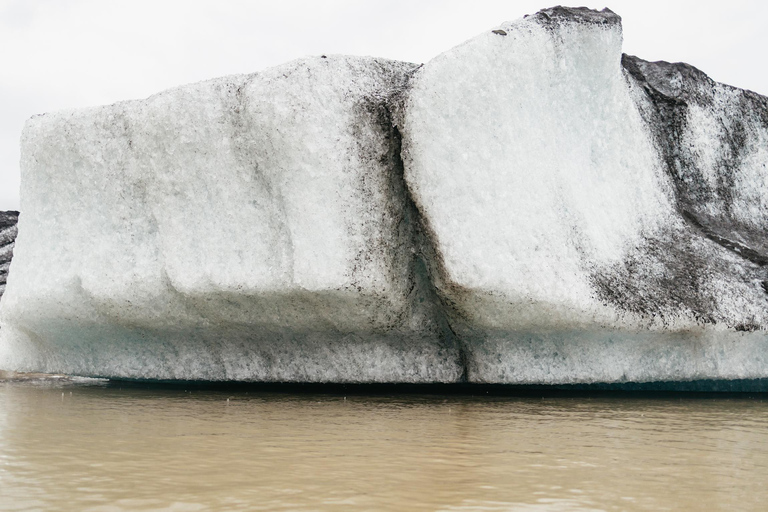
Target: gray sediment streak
[
  {"x": 8, "y": 232},
  {"x": 424, "y": 268},
  {"x": 707, "y": 193},
  {"x": 428, "y": 262},
  {"x": 673, "y": 271},
  {"x": 732, "y": 245}
]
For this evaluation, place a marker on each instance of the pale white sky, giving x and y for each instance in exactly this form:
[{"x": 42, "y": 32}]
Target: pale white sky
[{"x": 57, "y": 54}]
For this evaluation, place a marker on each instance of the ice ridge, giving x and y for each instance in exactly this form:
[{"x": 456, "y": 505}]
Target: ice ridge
[{"x": 530, "y": 207}]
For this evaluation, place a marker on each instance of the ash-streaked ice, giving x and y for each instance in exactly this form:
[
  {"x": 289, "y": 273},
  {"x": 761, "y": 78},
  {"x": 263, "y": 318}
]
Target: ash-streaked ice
[{"x": 530, "y": 207}]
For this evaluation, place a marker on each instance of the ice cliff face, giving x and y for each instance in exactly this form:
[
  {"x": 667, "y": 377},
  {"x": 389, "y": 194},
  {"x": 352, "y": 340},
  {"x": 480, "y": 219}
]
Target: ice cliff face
[
  {"x": 594, "y": 218},
  {"x": 713, "y": 143},
  {"x": 250, "y": 227},
  {"x": 529, "y": 207},
  {"x": 8, "y": 232}
]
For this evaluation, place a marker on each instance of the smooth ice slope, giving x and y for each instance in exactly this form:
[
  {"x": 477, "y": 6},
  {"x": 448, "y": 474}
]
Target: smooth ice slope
[
  {"x": 245, "y": 228},
  {"x": 561, "y": 247}
]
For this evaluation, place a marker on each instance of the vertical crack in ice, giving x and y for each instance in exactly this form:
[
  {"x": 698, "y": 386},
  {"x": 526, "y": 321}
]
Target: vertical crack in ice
[
  {"x": 423, "y": 265},
  {"x": 426, "y": 258}
]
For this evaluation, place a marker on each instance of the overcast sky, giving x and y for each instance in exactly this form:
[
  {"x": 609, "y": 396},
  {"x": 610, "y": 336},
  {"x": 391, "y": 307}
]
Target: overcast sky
[{"x": 58, "y": 54}]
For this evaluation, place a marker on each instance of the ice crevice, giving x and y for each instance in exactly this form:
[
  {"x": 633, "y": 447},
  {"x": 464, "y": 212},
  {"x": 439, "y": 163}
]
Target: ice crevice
[
  {"x": 530, "y": 207},
  {"x": 424, "y": 258}
]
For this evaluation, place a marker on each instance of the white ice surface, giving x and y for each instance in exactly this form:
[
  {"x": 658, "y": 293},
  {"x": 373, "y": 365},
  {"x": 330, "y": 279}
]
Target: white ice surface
[
  {"x": 536, "y": 175},
  {"x": 531, "y": 164},
  {"x": 233, "y": 212}
]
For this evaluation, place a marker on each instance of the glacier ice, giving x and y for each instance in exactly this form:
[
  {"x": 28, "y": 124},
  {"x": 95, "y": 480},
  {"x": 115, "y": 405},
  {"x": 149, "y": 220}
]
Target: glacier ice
[
  {"x": 531, "y": 206},
  {"x": 245, "y": 228},
  {"x": 549, "y": 175}
]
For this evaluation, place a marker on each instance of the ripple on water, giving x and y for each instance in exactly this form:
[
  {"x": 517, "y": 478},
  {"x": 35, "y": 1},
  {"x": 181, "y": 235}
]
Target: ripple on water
[{"x": 97, "y": 446}]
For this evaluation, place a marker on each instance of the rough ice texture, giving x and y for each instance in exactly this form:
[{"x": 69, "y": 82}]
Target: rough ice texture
[
  {"x": 8, "y": 232},
  {"x": 529, "y": 207},
  {"x": 245, "y": 228},
  {"x": 594, "y": 218}
]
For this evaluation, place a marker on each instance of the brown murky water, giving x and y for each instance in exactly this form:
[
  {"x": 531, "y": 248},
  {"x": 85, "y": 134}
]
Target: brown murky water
[{"x": 81, "y": 446}]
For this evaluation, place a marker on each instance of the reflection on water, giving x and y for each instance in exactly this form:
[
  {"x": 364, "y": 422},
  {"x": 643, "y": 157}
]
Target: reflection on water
[{"x": 88, "y": 446}]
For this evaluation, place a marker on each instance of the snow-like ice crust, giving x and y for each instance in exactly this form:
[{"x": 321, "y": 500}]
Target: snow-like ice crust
[
  {"x": 557, "y": 213},
  {"x": 530, "y": 161},
  {"x": 562, "y": 246},
  {"x": 245, "y": 228}
]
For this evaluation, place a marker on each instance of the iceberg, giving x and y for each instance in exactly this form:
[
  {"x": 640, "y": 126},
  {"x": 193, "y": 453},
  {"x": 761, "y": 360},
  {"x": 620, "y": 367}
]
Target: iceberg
[{"x": 530, "y": 207}]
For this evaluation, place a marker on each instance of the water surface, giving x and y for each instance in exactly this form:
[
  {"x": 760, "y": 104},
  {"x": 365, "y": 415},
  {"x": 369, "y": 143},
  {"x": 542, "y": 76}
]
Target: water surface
[{"x": 90, "y": 446}]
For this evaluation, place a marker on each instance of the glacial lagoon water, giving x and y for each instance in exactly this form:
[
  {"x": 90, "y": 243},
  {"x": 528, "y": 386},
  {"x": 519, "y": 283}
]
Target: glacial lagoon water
[{"x": 98, "y": 446}]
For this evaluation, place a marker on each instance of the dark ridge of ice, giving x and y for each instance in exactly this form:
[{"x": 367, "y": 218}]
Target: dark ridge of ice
[
  {"x": 741, "y": 118},
  {"x": 553, "y": 16},
  {"x": 723, "y": 235},
  {"x": 8, "y": 232}
]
